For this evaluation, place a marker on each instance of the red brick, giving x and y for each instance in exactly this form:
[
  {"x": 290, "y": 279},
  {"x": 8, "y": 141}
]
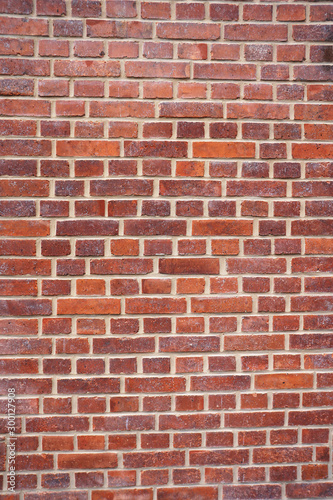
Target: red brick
[
  {"x": 155, "y": 10},
  {"x": 88, "y": 49},
  {"x": 256, "y": 266},
  {"x": 188, "y": 266},
  {"x": 225, "y": 91},
  {"x": 22, "y": 7},
  {"x": 224, "y": 70},
  {"x": 88, "y": 306},
  {"x": 121, "y": 478},
  {"x": 154, "y": 477},
  {"x": 86, "y": 88},
  {"x": 137, "y": 69},
  {"x": 224, "y": 12},
  {"x": 153, "y": 90},
  {"x": 11, "y": 47},
  {"x": 121, "y": 9},
  {"x": 256, "y": 13},
  {"x": 189, "y": 364},
  {"x": 259, "y": 52},
  {"x": 87, "y": 148},
  {"x": 256, "y": 285},
  {"x": 123, "y": 49},
  {"x": 87, "y": 460},
  {"x": 223, "y": 52},
  {"x": 189, "y": 344},
  {"x": 220, "y": 324},
  {"x": 55, "y": 48},
  {"x": 89, "y": 129},
  {"x": 86, "y": 228},
  {"x": 155, "y": 306},
  {"x": 196, "y": 51},
  {"x": 254, "y": 342},
  {"x": 155, "y": 141},
  {"x": 259, "y": 491},
  {"x": 157, "y": 50},
  {"x": 122, "y": 441},
  {"x": 222, "y": 305},
  {"x": 190, "y": 31},
  {"x": 264, "y": 32}
]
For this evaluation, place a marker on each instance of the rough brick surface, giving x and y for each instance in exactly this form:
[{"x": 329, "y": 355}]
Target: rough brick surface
[{"x": 166, "y": 248}]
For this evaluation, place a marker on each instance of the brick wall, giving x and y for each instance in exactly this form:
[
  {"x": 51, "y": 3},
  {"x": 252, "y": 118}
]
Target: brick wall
[{"x": 166, "y": 261}]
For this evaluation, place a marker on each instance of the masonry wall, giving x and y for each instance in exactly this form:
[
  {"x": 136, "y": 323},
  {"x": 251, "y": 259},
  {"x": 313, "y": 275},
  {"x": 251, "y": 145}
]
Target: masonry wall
[{"x": 166, "y": 252}]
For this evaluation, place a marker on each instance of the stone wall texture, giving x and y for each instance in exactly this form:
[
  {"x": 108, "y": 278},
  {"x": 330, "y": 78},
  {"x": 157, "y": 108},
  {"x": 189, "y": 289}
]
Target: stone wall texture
[{"x": 166, "y": 248}]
